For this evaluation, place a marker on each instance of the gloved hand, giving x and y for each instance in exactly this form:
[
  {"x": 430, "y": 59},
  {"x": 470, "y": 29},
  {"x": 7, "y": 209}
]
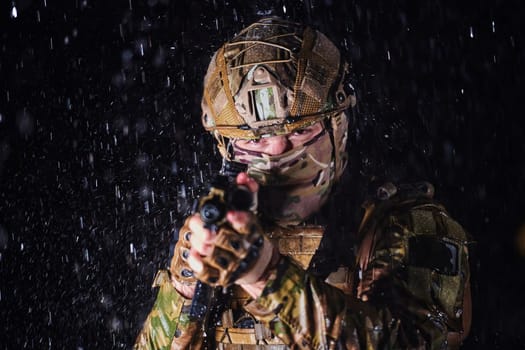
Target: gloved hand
[
  {"x": 181, "y": 274},
  {"x": 237, "y": 253}
]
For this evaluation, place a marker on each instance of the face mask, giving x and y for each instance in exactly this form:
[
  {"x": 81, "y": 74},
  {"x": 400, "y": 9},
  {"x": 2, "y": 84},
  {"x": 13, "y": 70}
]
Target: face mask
[{"x": 294, "y": 184}]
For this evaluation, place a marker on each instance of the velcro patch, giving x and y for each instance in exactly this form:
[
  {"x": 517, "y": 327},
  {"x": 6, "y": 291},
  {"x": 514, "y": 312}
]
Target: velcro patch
[{"x": 433, "y": 253}]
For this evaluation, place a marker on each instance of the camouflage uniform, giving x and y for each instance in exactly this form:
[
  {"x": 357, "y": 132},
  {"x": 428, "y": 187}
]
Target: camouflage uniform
[{"x": 407, "y": 288}]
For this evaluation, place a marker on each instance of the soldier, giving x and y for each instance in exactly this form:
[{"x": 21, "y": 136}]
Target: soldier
[{"x": 276, "y": 98}]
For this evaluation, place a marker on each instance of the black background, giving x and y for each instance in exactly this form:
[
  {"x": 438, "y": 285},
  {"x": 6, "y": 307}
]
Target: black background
[{"x": 102, "y": 153}]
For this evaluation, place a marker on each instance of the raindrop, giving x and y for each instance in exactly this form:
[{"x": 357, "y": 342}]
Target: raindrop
[
  {"x": 174, "y": 168},
  {"x": 1, "y": 117},
  {"x": 284, "y": 9},
  {"x": 116, "y": 323},
  {"x": 86, "y": 254},
  {"x": 142, "y": 161},
  {"x": 145, "y": 192},
  {"x": 131, "y": 248},
  {"x": 388, "y": 55},
  {"x": 130, "y": 6},
  {"x": 66, "y": 40},
  {"x": 127, "y": 55},
  {"x": 14, "y": 12},
  {"x": 3, "y": 238},
  {"x": 493, "y": 27},
  {"x": 21, "y": 246},
  {"x": 106, "y": 301},
  {"x": 81, "y": 223},
  {"x": 45, "y": 3},
  {"x": 38, "y": 16},
  {"x": 182, "y": 191},
  {"x": 146, "y": 207},
  {"x": 195, "y": 158},
  {"x": 471, "y": 32},
  {"x": 51, "y": 43}
]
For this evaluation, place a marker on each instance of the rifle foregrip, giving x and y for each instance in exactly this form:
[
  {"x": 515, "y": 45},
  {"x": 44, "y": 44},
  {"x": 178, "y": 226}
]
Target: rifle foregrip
[{"x": 200, "y": 302}]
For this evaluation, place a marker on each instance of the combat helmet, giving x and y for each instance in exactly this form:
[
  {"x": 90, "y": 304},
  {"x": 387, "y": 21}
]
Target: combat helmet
[{"x": 273, "y": 77}]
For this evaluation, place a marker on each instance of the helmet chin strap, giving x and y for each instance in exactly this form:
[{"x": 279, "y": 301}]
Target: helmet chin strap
[
  {"x": 229, "y": 149},
  {"x": 225, "y": 147},
  {"x": 333, "y": 163}
]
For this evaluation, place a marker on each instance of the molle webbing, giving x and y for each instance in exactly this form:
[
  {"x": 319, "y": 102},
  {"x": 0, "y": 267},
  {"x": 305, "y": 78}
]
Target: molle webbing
[{"x": 299, "y": 243}]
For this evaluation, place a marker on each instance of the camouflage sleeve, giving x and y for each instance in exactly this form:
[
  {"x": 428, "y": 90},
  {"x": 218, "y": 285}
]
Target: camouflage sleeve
[
  {"x": 414, "y": 298},
  {"x": 167, "y": 325},
  {"x": 300, "y": 309}
]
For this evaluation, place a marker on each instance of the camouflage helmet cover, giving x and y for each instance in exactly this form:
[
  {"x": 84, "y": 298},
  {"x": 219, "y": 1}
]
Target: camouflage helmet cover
[{"x": 275, "y": 76}]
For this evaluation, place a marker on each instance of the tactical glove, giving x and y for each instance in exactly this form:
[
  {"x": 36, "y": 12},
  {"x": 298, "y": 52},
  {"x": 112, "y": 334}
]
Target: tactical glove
[
  {"x": 238, "y": 256},
  {"x": 179, "y": 268}
]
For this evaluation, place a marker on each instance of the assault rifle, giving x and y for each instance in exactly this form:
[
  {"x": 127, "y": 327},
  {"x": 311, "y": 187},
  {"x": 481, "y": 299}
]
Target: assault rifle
[{"x": 224, "y": 194}]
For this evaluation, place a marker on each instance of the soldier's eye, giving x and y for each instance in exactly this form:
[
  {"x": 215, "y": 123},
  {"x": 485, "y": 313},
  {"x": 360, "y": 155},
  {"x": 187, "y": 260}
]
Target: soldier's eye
[{"x": 301, "y": 131}]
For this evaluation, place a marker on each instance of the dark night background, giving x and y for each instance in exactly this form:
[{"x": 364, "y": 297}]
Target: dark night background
[{"x": 102, "y": 153}]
